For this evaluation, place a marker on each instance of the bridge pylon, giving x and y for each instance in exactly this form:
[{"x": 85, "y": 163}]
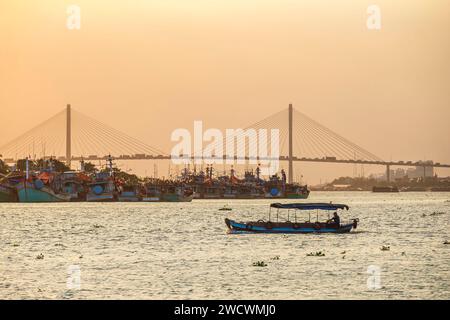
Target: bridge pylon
[
  {"x": 291, "y": 164},
  {"x": 68, "y": 135}
]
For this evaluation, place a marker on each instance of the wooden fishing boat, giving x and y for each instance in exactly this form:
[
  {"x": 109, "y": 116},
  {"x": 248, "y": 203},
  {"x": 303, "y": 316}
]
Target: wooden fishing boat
[
  {"x": 296, "y": 225},
  {"x": 152, "y": 193},
  {"x": 7, "y": 193},
  {"x": 104, "y": 186},
  {"x": 177, "y": 194},
  {"x": 75, "y": 185},
  {"x": 102, "y": 190},
  {"x": 36, "y": 190},
  {"x": 129, "y": 193}
]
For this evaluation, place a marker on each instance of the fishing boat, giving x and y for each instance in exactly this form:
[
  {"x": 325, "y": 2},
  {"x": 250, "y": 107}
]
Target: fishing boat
[
  {"x": 103, "y": 189},
  {"x": 7, "y": 193},
  {"x": 295, "y": 191},
  {"x": 152, "y": 193},
  {"x": 41, "y": 188},
  {"x": 279, "y": 188},
  {"x": 129, "y": 193},
  {"x": 296, "y": 226},
  {"x": 75, "y": 185},
  {"x": 177, "y": 194}
]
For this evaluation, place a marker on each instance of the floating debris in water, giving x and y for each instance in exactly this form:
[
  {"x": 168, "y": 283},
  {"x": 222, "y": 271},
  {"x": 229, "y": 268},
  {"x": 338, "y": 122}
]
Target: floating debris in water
[
  {"x": 98, "y": 226},
  {"x": 403, "y": 253},
  {"x": 343, "y": 252},
  {"x": 316, "y": 254},
  {"x": 385, "y": 248},
  {"x": 275, "y": 258},
  {"x": 343, "y": 257},
  {"x": 259, "y": 264},
  {"x": 15, "y": 244},
  {"x": 437, "y": 213},
  {"x": 446, "y": 242},
  {"x": 40, "y": 256}
]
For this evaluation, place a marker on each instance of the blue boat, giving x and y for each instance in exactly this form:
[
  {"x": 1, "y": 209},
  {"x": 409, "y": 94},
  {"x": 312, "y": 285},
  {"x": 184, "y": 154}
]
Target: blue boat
[
  {"x": 104, "y": 187},
  {"x": 128, "y": 193},
  {"x": 37, "y": 191},
  {"x": 296, "y": 226}
]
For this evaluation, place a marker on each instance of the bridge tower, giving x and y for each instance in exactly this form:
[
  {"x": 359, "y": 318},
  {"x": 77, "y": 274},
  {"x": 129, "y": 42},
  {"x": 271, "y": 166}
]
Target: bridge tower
[
  {"x": 291, "y": 166},
  {"x": 68, "y": 136}
]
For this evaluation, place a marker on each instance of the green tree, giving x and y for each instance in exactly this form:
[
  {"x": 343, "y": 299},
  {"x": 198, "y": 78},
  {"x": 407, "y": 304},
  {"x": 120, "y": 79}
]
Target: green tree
[
  {"x": 59, "y": 166},
  {"x": 89, "y": 167},
  {"x": 21, "y": 165}
]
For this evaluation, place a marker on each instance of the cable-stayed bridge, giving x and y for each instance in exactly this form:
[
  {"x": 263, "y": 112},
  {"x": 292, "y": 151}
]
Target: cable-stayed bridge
[{"x": 71, "y": 135}]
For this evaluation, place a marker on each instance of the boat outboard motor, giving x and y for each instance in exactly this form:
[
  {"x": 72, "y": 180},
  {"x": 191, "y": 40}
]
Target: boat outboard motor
[{"x": 355, "y": 223}]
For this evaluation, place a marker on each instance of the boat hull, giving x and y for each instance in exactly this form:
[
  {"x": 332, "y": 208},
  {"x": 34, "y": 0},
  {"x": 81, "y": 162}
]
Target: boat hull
[
  {"x": 176, "y": 198},
  {"x": 30, "y": 194},
  {"x": 128, "y": 199},
  {"x": 129, "y": 196},
  {"x": 7, "y": 194},
  {"x": 150, "y": 199},
  {"x": 265, "y": 227},
  {"x": 107, "y": 197}
]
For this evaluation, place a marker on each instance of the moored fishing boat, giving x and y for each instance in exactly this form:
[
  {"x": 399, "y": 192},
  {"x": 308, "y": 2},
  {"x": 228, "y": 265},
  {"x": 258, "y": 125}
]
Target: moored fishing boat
[
  {"x": 333, "y": 225},
  {"x": 7, "y": 193},
  {"x": 295, "y": 191},
  {"x": 103, "y": 188},
  {"x": 36, "y": 190},
  {"x": 75, "y": 185},
  {"x": 152, "y": 193},
  {"x": 177, "y": 194},
  {"x": 129, "y": 193}
]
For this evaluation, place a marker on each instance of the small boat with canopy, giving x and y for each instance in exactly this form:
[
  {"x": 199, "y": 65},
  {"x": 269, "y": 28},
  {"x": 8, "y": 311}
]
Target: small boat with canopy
[{"x": 292, "y": 223}]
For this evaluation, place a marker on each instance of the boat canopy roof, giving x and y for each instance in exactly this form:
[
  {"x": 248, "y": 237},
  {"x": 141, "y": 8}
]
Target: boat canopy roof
[{"x": 309, "y": 206}]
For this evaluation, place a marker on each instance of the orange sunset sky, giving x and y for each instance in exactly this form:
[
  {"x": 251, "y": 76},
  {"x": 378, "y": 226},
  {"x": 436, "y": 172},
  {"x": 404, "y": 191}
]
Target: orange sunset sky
[{"x": 149, "y": 67}]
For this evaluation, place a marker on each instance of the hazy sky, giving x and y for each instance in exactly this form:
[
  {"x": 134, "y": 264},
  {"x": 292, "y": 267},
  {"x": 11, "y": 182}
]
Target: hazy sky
[{"x": 148, "y": 67}]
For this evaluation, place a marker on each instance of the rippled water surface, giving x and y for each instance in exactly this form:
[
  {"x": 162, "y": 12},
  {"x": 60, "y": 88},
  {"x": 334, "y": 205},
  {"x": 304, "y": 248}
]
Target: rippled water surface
[{"x": 182, "y": 251}]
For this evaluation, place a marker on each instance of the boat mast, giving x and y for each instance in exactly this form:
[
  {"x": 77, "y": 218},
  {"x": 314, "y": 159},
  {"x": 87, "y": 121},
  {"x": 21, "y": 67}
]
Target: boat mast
[{"x": 27, "y": 169}]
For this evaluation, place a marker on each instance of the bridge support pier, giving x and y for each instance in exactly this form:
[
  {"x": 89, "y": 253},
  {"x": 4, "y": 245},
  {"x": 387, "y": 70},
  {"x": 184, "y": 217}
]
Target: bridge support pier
[
  {"x": 388, "y": 173},
  {"x": 291, "y": 165}
]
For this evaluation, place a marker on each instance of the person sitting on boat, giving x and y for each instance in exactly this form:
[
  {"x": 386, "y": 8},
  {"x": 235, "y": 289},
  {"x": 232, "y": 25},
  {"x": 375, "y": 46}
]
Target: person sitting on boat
[{"x": 336, "y": 219}]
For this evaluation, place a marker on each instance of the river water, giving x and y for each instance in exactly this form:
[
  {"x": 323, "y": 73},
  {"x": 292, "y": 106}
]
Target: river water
[{"x": 183, "y": 251}]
